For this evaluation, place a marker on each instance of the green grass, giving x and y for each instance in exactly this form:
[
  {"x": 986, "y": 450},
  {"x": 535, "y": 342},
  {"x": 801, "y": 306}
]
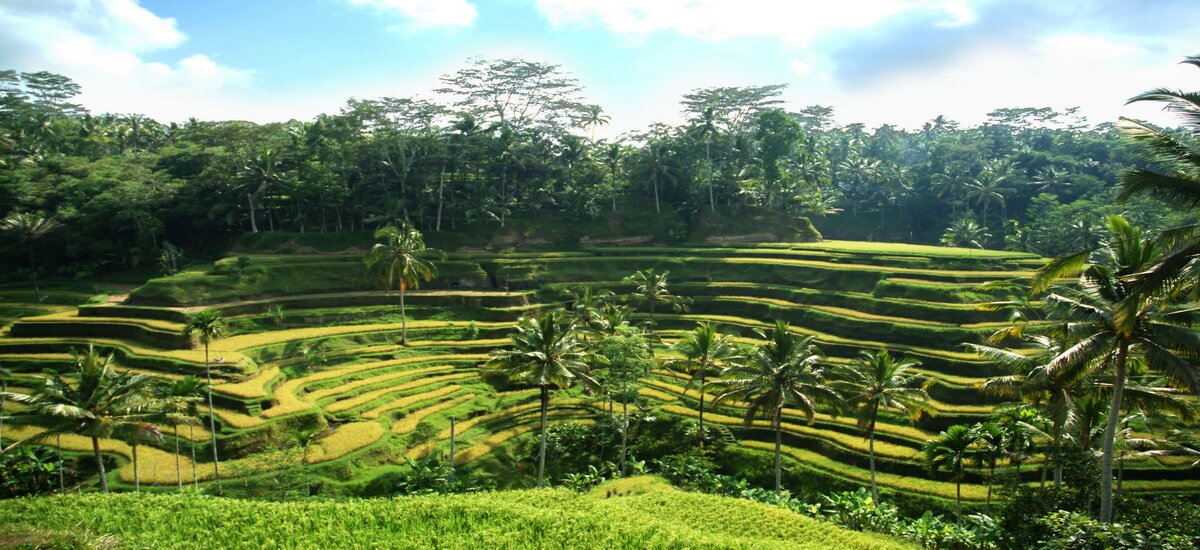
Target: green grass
[{"x": 658, "y": 518}]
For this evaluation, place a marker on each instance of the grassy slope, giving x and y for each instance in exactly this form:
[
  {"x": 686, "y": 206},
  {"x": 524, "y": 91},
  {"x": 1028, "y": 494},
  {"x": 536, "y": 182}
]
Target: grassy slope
[{"x": 632, "y": 513}]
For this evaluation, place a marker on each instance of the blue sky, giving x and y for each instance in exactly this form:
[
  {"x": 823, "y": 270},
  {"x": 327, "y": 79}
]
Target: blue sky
[{"x": 874, "y": 61}]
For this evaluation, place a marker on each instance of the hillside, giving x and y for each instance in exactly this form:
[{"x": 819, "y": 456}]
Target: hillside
[
  {"x": 654, "y": 516},
  {"x": 378, "y": 403}
]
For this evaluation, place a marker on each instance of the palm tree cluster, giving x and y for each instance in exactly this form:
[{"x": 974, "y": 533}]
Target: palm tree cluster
[
  {"x": 786, "y": 372},
  {"x": 95, "y": 400}
]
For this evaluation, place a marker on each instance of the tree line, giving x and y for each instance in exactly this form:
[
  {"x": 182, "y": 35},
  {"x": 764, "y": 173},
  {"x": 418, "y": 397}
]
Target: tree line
[{"x": 511, "y": 137}]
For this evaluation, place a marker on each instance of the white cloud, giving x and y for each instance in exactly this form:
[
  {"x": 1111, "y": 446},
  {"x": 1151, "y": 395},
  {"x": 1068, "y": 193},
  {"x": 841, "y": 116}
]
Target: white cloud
[
  {"x": 793, "y": 21},
  {"x": 103, "y": 45},
  {"x": 1065, "y": 70},
  {"x": 427, "y": 13}
]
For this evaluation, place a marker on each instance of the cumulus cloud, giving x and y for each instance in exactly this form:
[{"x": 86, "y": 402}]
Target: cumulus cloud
[
  {"x": 105, "y": 46},
  {"x": 426, "y": 13}
]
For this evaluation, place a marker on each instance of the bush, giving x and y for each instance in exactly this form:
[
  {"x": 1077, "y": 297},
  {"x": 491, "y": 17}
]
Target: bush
[{"x": 1075, "y": 531}]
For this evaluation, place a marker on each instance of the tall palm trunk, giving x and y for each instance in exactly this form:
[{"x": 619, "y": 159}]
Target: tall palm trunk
[
  {"x": 700, "y": 428},
  {"x": 657, "y": 209},
  {"x": 100, "y": 463},
  {"x": 212, "y": 421},
  {"x": 137, "y": 479},
  {"x": 778, "y": 456},
  {"x": 441, "y": 185},
  {"x": 3, "y": 389},
  {"x": 178, "y": 466},
  {"x": 403, "y": 319},
  {"x": 545, "y": 402},
  {"x": 192, "y": 437},
  {"x": 958, "y": 499},
  {"x": 1110, "y": 434},
  {"x": 37, "y": 291},
  {"x": 62, "y": 486},
  {"x": 987, "y": 508},
  {"x": 624, "y": 434},
  {"x": 253, "y": 222},
  {"x": 712, "y": 203},
  {"x": 871, "y": 451}
]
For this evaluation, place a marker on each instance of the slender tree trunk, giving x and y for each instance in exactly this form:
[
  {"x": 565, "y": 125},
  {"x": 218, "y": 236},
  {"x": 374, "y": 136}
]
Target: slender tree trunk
[
  {"x": 37, "y": 291},
  {"x": 62, "y": 486},
  {"x": 778, "y": 456},
  {"x": 624, "y": 434},
  {"x": 700, "y": 428},
  {"x": 441, "y": 185},
  {"x": 712, "y": 203},
  {"x": 1120, "y": 475},
  {"x": 403, "y": 320},
  {"x": 3, "y": 389},
  {"x": 100, "y": 464},
  {"x": 212, "y": 421},
  {"x": 178, "y": 465},
  {"x": 192, "y": 437},
  {"x": 1110, "y": 433},
  {"x": 987, "y": 508},
  {"x": 137, "y": 478},
  {"x": 545, "y": 402},
  {"x": 253, "y": 222},
  {"x": 871, "y": 452},
  {"x": 452, "y": 436},
  {"x": 958, "y": 500},
  {"x": 1057, "y": 447},
  {"x": 657, "y": 209}
]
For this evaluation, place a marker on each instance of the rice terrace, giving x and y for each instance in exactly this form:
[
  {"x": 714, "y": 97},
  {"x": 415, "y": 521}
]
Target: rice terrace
[{"x": 488, "y": 319}]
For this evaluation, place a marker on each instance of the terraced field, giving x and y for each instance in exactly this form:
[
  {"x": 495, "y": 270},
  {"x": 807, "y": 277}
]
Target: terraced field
[{"x": 377, "y": 402}]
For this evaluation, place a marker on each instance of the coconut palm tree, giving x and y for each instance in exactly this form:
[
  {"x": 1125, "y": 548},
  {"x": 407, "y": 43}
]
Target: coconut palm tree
[
  {"x": 990, "y": 449},
  {"x": 875, "y": 381},
  {"x": 950, "y": 452},
  {"x": 96, "y": 402},
  {"x": 1172, "y": 174},
  {"x": 547, "y": 353},
  {"x": 785, "y": 371},
  {"x": 29, "y": 227},
  {"x": 706, "y": 351},
  {"x": 704, "y": 127},
  {"x": 1111, "y": 320},
  {"x": 651, "y": 288},
  {"x": 401, "y": 260},
  {"x": 179, "y": 399},
  {"x": 134, "y": 434},
  {"x": 966, "y": 233},
  {"x": 207, "y": 326}
]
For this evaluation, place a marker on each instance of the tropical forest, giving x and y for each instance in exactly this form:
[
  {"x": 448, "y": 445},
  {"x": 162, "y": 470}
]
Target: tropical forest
[{"x": 550, "y": 299}]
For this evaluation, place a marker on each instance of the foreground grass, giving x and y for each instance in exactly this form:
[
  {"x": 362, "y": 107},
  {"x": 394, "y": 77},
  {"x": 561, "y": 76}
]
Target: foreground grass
[{"x": 653, "y": 516}]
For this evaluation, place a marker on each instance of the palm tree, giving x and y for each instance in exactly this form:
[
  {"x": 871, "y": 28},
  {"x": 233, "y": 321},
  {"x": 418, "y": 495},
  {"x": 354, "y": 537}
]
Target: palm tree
[
  {"x": 876, "y": 381},
  {"x": 260, "y": 175},
  {"x": 651, "y": 288},
  {"x": 135, "y": 433},
  {"x": 786, "y": 370},
  {"x": 950, "y": 452},
  {"x": 965, "y": 233},
  {"x": 401, "y": 261},
  {"x": 705, "y": 350},
  {"x": 545, "y": 353},
  {"x": 207, "y": 326},
  {"x": 1112, "y": 319},
  {"x": 179, "y": 399},
  {"x": 28, "y": 228},
  {"x": 613, "y": 154},
  {"x": 704, "y": 127},
  {"x": 96, "y": 402},
  {"x": 593, "y": 117},
  {"x": 1173, "y": 174},
  {"x": 991, "y": 448},
  {"x": 660, "y": 164}
]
